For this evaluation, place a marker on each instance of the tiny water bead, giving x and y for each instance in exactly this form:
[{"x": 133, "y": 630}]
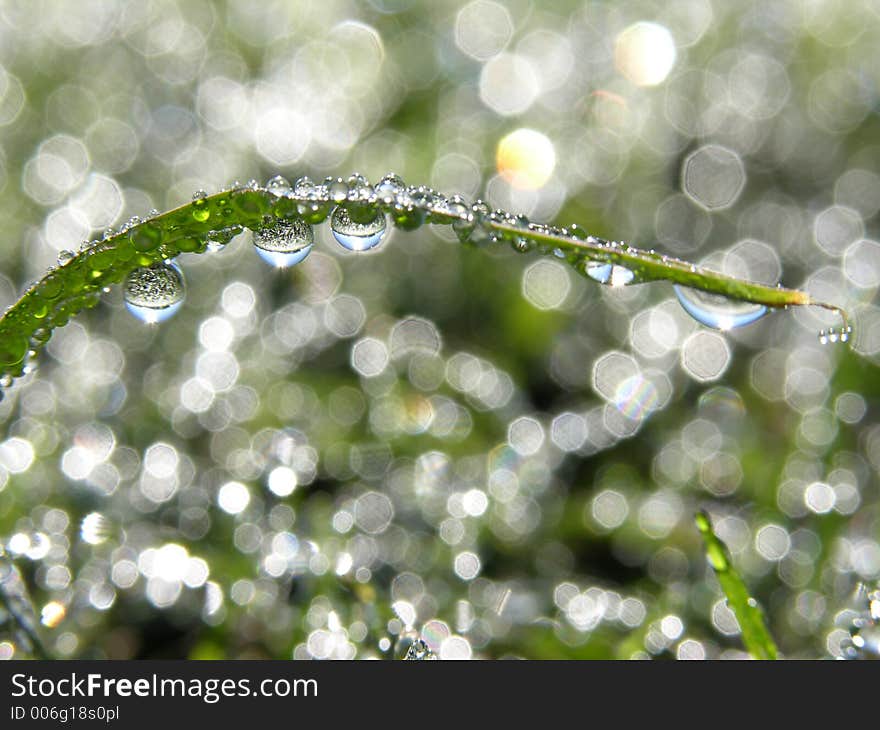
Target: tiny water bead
[
  {"x": 357, "y": 236},
  {"x": 154, "y": 293},
  {"x": 835, "y": 334},
  {"x": 609, "y": 274},
  {"x": 284, "y": 243},
  {"x": 716, "y": 311}
]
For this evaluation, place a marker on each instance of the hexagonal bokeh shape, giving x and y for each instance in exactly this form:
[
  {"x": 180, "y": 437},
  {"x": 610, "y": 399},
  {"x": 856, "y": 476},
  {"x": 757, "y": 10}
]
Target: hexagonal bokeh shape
[{"x": 713, "y": 177}]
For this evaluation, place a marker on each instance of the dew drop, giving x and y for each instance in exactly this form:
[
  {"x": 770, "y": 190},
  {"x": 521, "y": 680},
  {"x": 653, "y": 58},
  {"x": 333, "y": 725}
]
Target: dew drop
[
  {"x": 284, "y": 243},
  {"x": 389, "y": 187},
  {"x": 200, "y": 211},
  {"x": 338, "y": 190},
  {"x": 217, "y": 240},
  {"x": 609, "y": 274},
  {"x": 419, "y": 651},
  {"x": 834, "y": 335},
  {"x": 154, "y": 293},
  {"x": 50, "y": 287},
  {"x": 304, "y": 187},
  {"x": 716, "y": 311},
  {"x": 12, "y": 348},
  {"x": 356, "y": 236},
  {"x": 278, "y": 186},
  {"x": 146, "y": 237},
  {"x": 65, "y": 257}
]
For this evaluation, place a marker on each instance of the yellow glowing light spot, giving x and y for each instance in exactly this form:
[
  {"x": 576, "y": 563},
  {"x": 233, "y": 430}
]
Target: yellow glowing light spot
[
  {"x": 645, "y": 53},
  {"x": 526, "y": 159},
  {"x": 52, "y": 614}
]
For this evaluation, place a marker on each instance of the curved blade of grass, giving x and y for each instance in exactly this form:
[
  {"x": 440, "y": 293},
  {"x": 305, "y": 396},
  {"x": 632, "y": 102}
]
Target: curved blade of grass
[
  {"x": 77, "y": 283},
  {"x": 748, "y": 613}
]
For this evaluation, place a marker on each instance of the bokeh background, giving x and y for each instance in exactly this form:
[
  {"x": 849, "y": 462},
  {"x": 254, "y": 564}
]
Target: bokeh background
[{"x": 479, "y": 448}]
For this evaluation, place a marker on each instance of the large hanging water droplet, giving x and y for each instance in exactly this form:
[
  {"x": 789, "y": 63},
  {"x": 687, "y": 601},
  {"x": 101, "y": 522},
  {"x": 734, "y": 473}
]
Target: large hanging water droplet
[
  {"x": 284, "y": 243},
  {"x": 716, "y": 311},
  {"x": 356, "y": 236},
  {"x": 154, "y": 293},
  {"x": 609, "y": 274}
]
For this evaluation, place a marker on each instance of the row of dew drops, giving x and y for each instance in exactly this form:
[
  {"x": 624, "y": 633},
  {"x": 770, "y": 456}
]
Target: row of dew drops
[{"x": 359, "y": 222}]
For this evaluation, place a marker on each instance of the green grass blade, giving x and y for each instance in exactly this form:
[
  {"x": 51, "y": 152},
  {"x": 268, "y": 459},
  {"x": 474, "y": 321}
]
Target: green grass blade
[
  {"x": 748, "y": 613},
  {"x": 78, "y": 283}
]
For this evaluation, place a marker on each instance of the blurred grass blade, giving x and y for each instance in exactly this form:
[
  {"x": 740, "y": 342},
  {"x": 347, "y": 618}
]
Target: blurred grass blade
[
  {"x": 17, "y": 605},
  {"x": 748, "y": 613}
]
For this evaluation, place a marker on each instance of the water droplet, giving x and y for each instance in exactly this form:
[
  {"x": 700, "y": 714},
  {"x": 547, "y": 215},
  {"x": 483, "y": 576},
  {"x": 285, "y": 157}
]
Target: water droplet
[
  {"x": 419, "y": 651},
  {"x": 834, "y": 335},
  {"x": 154, "y": 293},
  {"x": 146, "y": 237},
  {"x": 717, "y": 311},
  {"x": 65, "y": 256},
  {"x": 284, "y": 243},
  {"x": 12, "y": 348},
  {"x": 201, "y": 213},
  {"x": 304, "y": 187},
  {"x": 278, "y": 186},
  {"x": 199, "y": 195},
  {"x": 50, "y": 287},
  {"x": 338, "y": 190},
  {"x": 610, "y": 274},
  {"x": 389, "y": 187},
  {"x": 356, "y": 236},
  {"x": 216, "y": 240}
]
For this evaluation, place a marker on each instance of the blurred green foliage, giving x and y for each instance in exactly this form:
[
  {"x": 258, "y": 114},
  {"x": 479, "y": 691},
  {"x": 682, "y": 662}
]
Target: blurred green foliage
[{"x": 477, "y": 448}]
